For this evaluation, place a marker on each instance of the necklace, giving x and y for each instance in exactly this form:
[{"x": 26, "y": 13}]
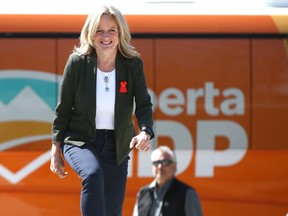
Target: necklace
[{"x": 106, "y": 79}]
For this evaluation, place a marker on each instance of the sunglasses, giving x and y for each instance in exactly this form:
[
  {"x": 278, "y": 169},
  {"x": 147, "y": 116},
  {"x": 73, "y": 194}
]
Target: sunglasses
[{"x": 165, "y": 162}]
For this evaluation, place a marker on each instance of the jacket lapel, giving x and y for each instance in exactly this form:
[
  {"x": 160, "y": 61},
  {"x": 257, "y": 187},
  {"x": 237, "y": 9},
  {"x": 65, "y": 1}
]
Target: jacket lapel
[
  {"x": 90, "y": 88},
  {"x": 121, "y": 75}
]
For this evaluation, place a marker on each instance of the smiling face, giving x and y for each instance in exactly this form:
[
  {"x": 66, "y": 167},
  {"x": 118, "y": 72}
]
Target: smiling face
[
  {"x": 106, "y": 37},
  {"x": 163, "y": 167}
]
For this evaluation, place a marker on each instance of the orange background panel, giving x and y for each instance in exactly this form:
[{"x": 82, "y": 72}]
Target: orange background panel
[
  {"x": 41, "y": 23},
  {"x": 33, "y": 54},
  {"x": 150, "y": 23},
  {"x": 256, "y": 185},
  {"x": 191, "y": 63},
  {"x": 64, "y": 49},
  {"x": 270, "y": 94}
]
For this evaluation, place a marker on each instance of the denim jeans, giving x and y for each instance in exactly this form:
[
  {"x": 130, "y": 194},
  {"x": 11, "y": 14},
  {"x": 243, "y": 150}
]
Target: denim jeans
[{"x": 103, "y": 181}]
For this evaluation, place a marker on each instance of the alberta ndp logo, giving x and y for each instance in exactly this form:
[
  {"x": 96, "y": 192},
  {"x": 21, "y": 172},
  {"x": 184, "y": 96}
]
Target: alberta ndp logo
[{"x": 27, "y": 100}]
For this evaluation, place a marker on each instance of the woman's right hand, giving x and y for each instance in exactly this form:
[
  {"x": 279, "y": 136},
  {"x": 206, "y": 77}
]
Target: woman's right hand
[{"x": 57, "y": 162}]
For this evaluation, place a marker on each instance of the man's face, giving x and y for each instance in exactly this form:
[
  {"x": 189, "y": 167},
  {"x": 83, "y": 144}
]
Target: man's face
[{"x": 163, "y": 167}]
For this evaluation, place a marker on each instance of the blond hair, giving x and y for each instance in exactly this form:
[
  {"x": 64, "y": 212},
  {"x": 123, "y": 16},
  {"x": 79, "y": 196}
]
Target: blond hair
[{"x": 90, "y": 27}]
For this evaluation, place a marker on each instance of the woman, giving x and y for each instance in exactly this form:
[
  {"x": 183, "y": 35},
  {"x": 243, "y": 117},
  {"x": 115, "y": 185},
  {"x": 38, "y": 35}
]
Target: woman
[{"x": 93, "y": 126}]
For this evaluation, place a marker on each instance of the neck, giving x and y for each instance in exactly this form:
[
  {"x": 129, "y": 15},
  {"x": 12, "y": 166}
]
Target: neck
[
  {"x": 160, "y": 183},
  {"x": 106, "y": 63}
]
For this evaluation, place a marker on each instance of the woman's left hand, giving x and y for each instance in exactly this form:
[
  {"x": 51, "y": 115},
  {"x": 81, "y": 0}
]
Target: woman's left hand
[{"x": 141, "y": 141}]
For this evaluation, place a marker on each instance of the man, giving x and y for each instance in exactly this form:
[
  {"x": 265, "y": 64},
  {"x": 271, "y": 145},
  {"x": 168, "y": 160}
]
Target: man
[{"x": 166, "y": 195}]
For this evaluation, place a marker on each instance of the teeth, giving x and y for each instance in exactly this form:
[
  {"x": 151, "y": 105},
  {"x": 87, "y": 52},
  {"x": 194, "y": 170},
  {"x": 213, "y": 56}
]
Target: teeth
[{"x": 106, "y": 42}]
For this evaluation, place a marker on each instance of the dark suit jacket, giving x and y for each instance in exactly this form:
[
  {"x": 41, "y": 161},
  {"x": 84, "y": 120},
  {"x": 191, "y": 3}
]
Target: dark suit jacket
[{"x": 74, "y": 121}]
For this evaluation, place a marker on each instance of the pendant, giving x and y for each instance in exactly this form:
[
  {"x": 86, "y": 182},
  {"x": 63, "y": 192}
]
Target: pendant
[{"x": 107, "y": 89}]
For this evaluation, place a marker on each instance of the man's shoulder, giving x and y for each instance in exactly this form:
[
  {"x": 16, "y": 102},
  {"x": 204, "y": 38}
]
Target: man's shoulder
[
  {"x": 148, "y": 187},
  {"x": 178, "y": 183},
  {"x": 144, "y": 188}
]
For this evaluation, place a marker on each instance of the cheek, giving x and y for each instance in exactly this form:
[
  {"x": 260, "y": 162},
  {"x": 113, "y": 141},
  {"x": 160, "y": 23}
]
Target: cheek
[
  {"x": 158, "y": 172},
  {"x": 116, "y": 40},
  {"x": 95, "y": 39}
]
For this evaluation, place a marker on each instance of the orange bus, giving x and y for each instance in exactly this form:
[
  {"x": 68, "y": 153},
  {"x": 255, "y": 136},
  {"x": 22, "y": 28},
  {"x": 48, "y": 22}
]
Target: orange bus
[{"x": 217, "y": 72}]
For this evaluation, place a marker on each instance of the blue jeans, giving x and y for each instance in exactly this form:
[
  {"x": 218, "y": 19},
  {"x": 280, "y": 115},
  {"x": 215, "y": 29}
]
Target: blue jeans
[{"x": 103, "y": 181}]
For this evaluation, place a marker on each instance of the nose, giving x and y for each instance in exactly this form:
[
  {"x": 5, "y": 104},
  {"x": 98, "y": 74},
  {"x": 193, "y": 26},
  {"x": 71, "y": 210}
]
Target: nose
[
  {"x": 159, "y": 165},
  {"x": 106, "y": 34}
]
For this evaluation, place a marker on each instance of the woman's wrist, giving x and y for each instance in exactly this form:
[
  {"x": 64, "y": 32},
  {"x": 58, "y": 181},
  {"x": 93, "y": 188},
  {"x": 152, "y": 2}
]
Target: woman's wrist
[
  {"x": 148, "y": 131},
  {"x": 147, "y": 136}
]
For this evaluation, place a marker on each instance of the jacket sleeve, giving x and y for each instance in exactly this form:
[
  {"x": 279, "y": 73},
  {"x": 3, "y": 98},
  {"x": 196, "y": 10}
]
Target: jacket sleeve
[
  {"x": 143, "y": 109},
  {"x": 63, "y": 109}
]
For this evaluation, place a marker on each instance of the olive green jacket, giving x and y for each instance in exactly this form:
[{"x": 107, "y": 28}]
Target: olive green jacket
[{"x": 74, "y": 121}]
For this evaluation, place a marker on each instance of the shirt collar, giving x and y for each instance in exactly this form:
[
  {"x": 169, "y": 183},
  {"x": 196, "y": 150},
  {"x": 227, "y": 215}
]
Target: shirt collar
[{"x": 153, "y": 184}]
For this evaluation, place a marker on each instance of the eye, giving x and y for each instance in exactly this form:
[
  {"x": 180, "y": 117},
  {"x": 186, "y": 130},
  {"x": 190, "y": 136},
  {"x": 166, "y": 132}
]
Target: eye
[
  {"x": 99, "y": 31},
  {"x": 112, "y": 31}
]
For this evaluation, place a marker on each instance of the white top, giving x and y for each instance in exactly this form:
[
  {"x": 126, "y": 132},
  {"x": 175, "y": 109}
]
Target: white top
[{"x": 105, "y": 100}]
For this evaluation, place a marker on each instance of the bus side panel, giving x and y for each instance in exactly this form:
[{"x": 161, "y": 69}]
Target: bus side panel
[
  {"x": 209, "y": 106},
  {"x": 270, "y": 94},
  {"x": 203, "y": 82}
]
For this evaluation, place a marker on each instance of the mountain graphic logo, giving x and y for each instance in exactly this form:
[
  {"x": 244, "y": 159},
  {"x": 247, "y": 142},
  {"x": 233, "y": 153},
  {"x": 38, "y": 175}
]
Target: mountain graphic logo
[{"x": 27, "y": 102}]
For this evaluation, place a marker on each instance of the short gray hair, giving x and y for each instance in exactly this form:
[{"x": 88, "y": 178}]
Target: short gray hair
[{"x": 165, "y": 149}]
